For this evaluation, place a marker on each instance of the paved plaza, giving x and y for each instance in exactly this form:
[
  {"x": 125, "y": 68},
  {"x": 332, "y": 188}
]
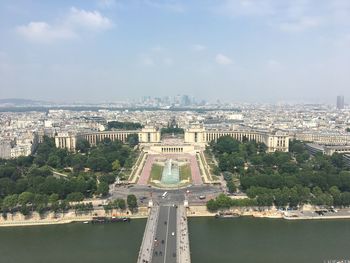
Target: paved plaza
[{"x": 146, "y": 171}]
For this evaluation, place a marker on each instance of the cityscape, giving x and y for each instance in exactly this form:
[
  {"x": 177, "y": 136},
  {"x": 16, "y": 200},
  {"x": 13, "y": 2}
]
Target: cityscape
[{"x": 174, "y": 131}]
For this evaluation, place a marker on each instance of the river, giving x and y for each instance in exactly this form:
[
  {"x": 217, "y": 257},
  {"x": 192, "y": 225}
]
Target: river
[
  {"x": 252, "y": 240},
  {"x": 72, "y": 243},
  {"x": 211, "y": 240}
]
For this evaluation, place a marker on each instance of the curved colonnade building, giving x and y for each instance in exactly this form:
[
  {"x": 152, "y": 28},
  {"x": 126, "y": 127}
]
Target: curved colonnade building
[{"x": 197, "y": 137}]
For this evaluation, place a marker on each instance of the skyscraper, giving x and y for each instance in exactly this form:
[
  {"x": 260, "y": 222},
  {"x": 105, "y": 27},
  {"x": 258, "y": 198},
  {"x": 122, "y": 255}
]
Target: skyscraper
[{"x": 340, "y": 102}]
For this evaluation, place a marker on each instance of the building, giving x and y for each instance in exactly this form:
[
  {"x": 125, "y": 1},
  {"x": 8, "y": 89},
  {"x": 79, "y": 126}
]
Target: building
[
  {"x": 314, "y": 148},
  {"x": 275, "y": 141},
  {"x": 335, "y": 139},
  {"x": 340, "y": 102},
  {"x": 68, "y": 140},
  {"x": 196, "y": 138}
]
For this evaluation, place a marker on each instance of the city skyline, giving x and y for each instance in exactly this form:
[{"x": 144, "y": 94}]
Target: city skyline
[{"x": 243, "y": 50}]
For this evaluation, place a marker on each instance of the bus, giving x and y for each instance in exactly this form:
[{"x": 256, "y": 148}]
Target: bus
[{"x": 164, "y": 195}]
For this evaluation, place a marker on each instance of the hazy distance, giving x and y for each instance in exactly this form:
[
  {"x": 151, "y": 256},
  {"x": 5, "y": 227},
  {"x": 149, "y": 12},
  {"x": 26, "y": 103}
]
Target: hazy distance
[{"x": 232, "y": 50}]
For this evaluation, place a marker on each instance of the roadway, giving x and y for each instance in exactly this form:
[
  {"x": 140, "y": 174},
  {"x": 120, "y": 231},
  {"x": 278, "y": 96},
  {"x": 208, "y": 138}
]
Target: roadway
[
  {"x": 175, "y": 195},
  {"x": 164, "y": 250}
]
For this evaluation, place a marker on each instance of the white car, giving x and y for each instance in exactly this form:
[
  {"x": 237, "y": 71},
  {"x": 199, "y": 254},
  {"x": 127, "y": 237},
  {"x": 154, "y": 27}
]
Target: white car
[{"x": 173, "y": 233}]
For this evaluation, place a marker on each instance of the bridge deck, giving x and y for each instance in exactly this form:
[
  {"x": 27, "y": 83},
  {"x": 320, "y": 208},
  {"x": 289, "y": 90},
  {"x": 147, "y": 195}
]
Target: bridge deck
[
  {"x": 146, "y": 250},
  {"x": 183, "y": 243},
  {"x": 166, "y": 236}
]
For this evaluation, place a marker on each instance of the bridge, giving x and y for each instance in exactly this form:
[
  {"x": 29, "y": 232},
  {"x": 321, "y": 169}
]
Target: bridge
[{"x": 165, "y": 238}]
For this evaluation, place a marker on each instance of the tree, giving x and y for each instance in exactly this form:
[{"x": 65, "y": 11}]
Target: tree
[
  {"x": 78, "y": 162},
  {"x": 82, "y": 145},
  {"x": 25, "y": 198},
  {"x": 121, "y": 204},
  {"x": 226, "y": 144},
  {"x": 231, "y": 187},
  {"x": 132, "y": 202},
  {"x": 132, "y": 140},
  {"x": 54, "y": 161},
  {"x": 116, "y": 165},
  {"x": 99, "y": 163},
  {"x": 103, "y": 189},
  {"x": 53, "y": 198},
  {"x": 336, "y": 194},
  {"x": 75, "y": 197},
  {"x": 212, "y": 205},
  {"x": 10, "y": 202}
]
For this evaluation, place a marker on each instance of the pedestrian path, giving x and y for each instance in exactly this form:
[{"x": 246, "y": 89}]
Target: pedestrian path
[
  {"x": 166, "y": 237},
  {"x": 183, "y": 243},
  {"x": 146, "y": 250}
]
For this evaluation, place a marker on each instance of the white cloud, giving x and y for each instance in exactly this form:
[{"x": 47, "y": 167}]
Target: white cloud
[
  {"x": 168, "y": 61},
  {"x": 170, "y": 5},
  {"x": 67, "y": 28},
  {"x": 198, "y": 47},
  {"x": 302, "y": 24},
  {"x": 106, "y": 3},
  {"x": 289, "y": 15},
  {"x": 158, "y": 48},
  {"x": 222, "y": 59},
  {"x": 246, "y": 7},
  {"x": 147, "y": 60},
  {"x": 43, "y": 32},
  {"x": 92, "y": 20}
]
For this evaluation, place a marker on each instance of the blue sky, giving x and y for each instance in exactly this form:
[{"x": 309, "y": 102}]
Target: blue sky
[{"x": 232, "y": 50}]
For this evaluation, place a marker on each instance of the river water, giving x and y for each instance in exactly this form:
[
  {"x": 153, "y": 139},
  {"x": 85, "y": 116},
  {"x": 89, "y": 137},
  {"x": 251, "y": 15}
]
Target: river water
[
  {"x": 252, "y": 240},
  {"x": 211, "y": 240},
  {"x": 72, "y": 243}
]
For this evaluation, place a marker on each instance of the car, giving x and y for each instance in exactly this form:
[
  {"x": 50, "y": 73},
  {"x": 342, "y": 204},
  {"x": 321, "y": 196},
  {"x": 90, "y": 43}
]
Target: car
[{"x": 173, "y": 233}]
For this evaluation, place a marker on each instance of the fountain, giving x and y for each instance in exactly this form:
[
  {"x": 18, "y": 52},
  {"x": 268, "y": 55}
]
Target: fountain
[{"x": 171, "y": 174}]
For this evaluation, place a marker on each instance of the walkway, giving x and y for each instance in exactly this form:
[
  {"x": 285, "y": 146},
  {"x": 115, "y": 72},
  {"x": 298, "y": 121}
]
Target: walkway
[
  {"x": 195, "y": 172},
  {"x": 146, "y": 250},
  {"x": 166, "y": 237},
  {"x": 183, "y": 243}
]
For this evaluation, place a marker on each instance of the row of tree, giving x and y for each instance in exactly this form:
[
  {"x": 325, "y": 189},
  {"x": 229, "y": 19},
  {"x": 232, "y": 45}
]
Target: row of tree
[
  {"x": 281, "y": 178},
  {"x": 36, "y": 175},
  {"x": 123, "y": 125}
]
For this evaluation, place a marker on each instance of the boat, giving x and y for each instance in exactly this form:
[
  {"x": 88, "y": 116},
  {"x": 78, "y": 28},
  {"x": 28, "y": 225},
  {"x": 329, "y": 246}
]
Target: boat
[
  {"x": 103, "y": 219},
  {"x": 227, "y": 215}
]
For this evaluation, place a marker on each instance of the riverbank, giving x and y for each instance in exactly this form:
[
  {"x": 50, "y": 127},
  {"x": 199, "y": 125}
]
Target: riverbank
[
  {"x": 307, "y": 214},
  {"x": 18, "y": 219},
  {"x": 51, "y": 218}
]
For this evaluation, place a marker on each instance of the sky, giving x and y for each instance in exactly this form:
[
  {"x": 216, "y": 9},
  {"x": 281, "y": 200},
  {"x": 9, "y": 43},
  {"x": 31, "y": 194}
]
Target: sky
[{"x": 232, "y": 50}]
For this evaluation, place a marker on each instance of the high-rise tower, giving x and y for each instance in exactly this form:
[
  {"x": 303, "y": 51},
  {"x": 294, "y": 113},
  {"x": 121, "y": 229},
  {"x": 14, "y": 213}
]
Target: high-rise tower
[{"x": 340, "y": 102}]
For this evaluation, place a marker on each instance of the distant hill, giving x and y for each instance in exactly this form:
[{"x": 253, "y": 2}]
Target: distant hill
[{"x": 20, "y": 102}]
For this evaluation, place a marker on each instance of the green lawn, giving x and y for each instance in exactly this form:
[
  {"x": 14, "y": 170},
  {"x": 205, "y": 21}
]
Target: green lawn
[
  {"x": 185, "y": 172},
  {"x": 156, "y": 172}
]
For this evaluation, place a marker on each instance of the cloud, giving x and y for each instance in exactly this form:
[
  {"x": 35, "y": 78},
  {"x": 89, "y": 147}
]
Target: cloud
[
  {"x": 301, "y": 24},
  {"x": 106, "y": 3},
  {"x": 198, "y": 47},
  {"x": 168, "y": 61},
  {"x": 289, "y": 15},
  {"x": 169, "y": 5},
  {"x": 69, "y": 27},
  {"x": 222, "y": 59},
  {"x": 147, "y": 60},
  {"x": 246, "y": 7},
  {"x": 43, "y": 32},
  {"x": 91, "y": 20}
]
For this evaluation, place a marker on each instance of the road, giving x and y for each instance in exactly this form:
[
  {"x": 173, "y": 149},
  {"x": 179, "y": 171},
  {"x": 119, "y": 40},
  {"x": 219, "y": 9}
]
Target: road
[
  {"x": 165, "y": 245},
  {"x": 175, "y": 195}
]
